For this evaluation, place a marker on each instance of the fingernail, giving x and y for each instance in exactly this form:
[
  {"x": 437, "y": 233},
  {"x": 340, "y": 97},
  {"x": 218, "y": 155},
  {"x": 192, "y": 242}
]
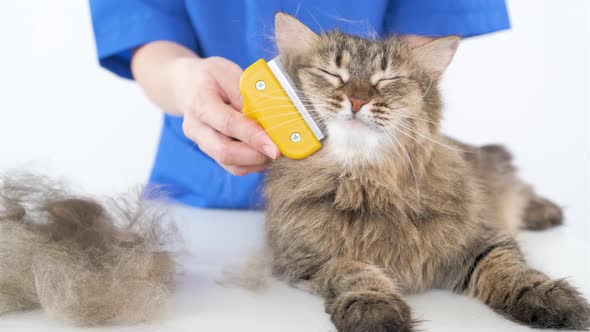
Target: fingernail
[{"x": 270, "y": 151}]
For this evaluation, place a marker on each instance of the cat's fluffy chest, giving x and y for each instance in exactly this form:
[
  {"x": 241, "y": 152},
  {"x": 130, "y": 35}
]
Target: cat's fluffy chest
[
  {"x": 370, "y": 189},
  {"x": 371, "y": 214},
  {"x": 355, "y": 216}
]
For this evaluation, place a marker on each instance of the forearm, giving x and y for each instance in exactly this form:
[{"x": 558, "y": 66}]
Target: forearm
[{"x": 155, "y": 67}]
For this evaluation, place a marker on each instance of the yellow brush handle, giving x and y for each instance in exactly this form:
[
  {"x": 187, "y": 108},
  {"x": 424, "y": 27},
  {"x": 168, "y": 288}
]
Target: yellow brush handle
[{"x": 266, "y": 102}]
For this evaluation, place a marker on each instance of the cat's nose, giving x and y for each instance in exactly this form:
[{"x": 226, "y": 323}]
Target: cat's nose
[{"x": 357, "y": 103}]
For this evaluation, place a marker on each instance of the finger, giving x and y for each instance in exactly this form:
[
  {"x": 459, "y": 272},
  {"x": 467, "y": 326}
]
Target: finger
[
  {"x": 228, "y": 74},
  {"x": 231, "y": 123},
  {"x": 224, "y": 150},
  {"x": 244, "y": 170}
]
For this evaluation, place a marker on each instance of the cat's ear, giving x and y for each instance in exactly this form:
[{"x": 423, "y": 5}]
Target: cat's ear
[
  {"x": 436, "y": 55},
  {"x": 292, "y": 37}
]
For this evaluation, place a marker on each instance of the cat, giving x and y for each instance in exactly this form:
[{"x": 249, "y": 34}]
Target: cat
[{"x": 391, "y": 206}]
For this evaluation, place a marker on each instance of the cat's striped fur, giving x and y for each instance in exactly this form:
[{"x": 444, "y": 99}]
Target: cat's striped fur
[{"x": 391, "y": 206}]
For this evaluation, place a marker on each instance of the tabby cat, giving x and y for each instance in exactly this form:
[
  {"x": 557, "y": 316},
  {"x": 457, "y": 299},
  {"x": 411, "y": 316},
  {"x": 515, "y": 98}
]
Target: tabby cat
[{"x": 391, "y": 206}]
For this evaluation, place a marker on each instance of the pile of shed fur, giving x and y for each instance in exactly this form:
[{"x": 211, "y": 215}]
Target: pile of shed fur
[{"x": 82, "y": 260}]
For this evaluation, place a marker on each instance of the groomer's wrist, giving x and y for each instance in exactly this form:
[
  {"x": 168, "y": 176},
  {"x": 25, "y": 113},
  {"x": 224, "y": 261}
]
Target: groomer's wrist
[
  {"x": 184, "y": 77},
  {"x": 156, "y": 66}
]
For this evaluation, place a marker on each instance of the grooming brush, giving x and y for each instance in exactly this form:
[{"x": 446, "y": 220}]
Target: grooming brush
[{"x": 271, "y": 100}]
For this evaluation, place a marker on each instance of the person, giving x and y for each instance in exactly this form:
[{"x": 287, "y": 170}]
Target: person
[{"x": 188, "y": 55}]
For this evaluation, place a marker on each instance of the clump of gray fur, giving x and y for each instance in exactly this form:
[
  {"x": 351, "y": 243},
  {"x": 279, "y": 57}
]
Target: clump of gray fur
[{"x": 81, "y": 260}]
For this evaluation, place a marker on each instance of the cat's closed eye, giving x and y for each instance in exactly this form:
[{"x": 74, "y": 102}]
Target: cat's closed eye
[
  {"x": 341, "y": 80},
  {"x": 386, "y": 80}
]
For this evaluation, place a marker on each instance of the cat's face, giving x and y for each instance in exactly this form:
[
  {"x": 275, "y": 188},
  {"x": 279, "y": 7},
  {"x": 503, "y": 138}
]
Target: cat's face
[{"x": 369, "y": 96}]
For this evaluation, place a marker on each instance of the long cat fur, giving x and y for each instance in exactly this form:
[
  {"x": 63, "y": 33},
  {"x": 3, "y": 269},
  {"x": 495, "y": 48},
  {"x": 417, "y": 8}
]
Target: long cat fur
[
  {"x": 82, "y": 260},
  {"x": 393, "y": 206}
]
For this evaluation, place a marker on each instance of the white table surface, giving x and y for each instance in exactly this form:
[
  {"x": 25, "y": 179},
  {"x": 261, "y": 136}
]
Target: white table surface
[{"x": 217, "y": 239}]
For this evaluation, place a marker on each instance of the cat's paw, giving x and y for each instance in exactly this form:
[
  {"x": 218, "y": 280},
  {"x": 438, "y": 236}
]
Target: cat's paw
[
  {"x": 541, "y": 214},
  {"x": 370, "y": 311},
  {"x": 550, "y": 304}
]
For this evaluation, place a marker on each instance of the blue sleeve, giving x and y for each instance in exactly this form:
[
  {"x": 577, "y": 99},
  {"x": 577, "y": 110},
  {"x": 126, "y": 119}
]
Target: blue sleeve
[
  {"x": 121, "y": 25},
  {"x": 446, "y": 17}
]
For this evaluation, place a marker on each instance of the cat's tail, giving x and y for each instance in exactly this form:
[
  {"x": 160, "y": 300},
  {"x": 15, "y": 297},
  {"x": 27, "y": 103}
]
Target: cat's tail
[
  {"x": 523, "y": 207},
  {"x": 83, "y": 260}
]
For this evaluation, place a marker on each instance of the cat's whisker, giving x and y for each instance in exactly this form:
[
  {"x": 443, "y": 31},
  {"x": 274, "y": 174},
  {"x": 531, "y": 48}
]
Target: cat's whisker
[
  {"x": 267, "y": 96},
  {"x": 425, "y": 92},
  {"x": 397, "y": 128},
  {"x": 261, "y": 109},
  {"x": 268, "y": 130},
  {"x": 317, "y": 118},
  {"x": 302, "y": 95},
  {"x": 421, "y": 98},
  {"x": 308, "y": 108},
  {"x": 430, "y": 138},
  {"x": 395, "y": 142},
  {"x": 304, "y": 102},
  {"x": 277, "y": 115},
  {"x": 412, "y": 168},
  {"x": 413, "y": 117},
  {"x": 317, "y": 97},
  {"x": 316, "y": 21},
  {"x": 405, "y": 116}
]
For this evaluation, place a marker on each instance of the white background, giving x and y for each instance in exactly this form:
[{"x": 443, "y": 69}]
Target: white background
[{"x": 528, "y": 88}]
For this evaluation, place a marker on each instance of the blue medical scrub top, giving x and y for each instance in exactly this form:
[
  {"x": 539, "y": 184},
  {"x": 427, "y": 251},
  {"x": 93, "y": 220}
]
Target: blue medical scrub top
[{"x": 242, "y": 31}]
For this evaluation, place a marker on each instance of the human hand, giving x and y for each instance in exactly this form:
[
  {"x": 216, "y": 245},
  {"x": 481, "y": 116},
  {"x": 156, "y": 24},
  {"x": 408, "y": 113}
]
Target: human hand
[{"x": 207, "y": 91}]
